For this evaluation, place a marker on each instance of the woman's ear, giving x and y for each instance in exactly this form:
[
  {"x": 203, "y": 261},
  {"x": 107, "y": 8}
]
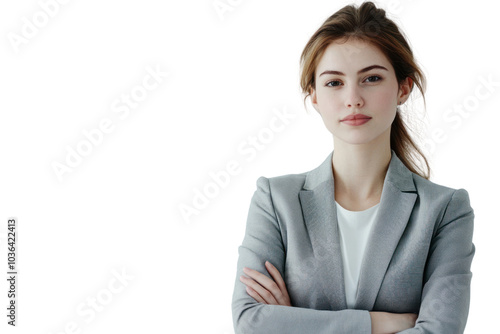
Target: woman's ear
[
  {"x": 314, "y": 99},
  {"x": 405, "y": 89}
]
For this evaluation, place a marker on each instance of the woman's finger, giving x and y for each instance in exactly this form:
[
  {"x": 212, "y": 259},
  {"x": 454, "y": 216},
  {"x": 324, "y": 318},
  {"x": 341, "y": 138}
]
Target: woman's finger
[
  {"x": 255, "y": 295},
  {"x": 267, "y": 296},
  {"x": 269, "y": 285},
  {"x": 273, "y": 271}
]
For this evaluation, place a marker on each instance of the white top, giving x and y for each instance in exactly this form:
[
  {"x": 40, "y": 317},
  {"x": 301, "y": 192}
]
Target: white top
[{"x": 354, "y": 229}]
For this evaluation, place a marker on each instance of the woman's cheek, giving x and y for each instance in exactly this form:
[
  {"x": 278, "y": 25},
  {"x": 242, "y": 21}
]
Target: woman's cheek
[{"x": 384, "y": 101}]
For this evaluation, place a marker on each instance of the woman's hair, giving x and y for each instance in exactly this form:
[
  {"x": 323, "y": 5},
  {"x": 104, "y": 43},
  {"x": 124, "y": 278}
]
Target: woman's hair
[{"x": 370, "y": 24}]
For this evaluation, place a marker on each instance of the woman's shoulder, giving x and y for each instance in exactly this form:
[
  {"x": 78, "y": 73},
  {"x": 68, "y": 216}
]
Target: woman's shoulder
[
  {"x": 283, "y": 183},
  {"x": 294, "y": 182},
  {"x": 436, "y": 192}
]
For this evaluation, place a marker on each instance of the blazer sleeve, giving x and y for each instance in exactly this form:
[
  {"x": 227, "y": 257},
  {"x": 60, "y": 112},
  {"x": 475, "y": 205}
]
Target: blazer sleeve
[
  {"x": 446, "y": 292},
  {"x": 263, "y": 241}
]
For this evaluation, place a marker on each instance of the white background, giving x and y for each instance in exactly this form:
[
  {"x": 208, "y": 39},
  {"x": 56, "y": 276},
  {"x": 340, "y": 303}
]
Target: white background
[{"x": 118, "y": 210}]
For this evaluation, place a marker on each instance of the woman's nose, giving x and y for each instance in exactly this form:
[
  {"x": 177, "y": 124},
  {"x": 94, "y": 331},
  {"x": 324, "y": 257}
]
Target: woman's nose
[{"x": 353, "y": 98}]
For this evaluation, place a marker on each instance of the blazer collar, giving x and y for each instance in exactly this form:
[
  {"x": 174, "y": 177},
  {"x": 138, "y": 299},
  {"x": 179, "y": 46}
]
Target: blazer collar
[{"x": 320, "y": 216}]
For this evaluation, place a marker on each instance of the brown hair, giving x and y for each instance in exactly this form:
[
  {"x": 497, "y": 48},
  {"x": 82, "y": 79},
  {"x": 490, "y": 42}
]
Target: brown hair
[{"x": 370, "y": 24}]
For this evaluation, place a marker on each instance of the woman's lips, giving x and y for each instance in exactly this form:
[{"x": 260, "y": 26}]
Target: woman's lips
[{"x": 355, "y": 119}]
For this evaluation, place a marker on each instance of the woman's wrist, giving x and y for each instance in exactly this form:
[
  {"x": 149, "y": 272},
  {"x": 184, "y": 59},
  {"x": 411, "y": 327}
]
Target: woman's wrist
[
  {"x": 385, "y": 322},
  {"x": 379, "y": 322}
]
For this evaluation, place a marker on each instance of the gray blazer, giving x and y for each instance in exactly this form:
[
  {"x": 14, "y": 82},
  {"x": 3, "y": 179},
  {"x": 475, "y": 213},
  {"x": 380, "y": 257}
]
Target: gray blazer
[{"x": 417, "y": 259}]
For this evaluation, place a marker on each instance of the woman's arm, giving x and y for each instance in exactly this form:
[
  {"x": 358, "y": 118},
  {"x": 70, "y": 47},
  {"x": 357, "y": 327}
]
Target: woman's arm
[
  {"x": 273, "y": 292},
  {"x": 266, "y": 290},
  {"x": 385, "y": 322},
  {"x": 446, "y": 293},
  {"x": 263, "y": 242}
]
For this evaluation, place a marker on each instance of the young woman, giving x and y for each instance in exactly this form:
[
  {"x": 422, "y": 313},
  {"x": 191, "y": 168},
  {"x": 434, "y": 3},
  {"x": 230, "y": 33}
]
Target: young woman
[{"x": 364, "y": 243}]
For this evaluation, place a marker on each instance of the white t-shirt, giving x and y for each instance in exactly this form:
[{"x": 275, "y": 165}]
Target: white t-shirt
[{"x": 354, "y": 228}]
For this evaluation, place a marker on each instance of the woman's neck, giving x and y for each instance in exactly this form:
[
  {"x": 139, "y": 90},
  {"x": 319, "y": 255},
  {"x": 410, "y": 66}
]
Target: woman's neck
[{"x": 359, "y": 172}]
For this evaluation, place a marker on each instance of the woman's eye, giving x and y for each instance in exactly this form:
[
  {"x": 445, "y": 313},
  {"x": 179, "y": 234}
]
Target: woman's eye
[
  {"x": 373, "y": 78},
  {"x": 333, "y": 83}
]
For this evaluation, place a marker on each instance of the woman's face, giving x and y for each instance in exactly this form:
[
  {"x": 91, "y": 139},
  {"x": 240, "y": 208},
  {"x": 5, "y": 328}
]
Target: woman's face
[{"x": 356, "y": 78}]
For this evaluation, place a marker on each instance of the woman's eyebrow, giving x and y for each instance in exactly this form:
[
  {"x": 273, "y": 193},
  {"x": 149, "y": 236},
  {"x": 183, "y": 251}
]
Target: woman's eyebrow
[{"x": 366, "y": 69}]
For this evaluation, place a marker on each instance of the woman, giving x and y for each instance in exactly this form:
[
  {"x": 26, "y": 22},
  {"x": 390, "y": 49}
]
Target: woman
[{"x": 364, "y": 243}]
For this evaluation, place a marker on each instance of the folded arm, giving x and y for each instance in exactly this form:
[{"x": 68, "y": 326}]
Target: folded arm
[
  {"x": 446, "y": 293},
  {"x": 260, "y": 300},
  {"x": 263, "y": 242},
  {"x": 274, "y": 292}
]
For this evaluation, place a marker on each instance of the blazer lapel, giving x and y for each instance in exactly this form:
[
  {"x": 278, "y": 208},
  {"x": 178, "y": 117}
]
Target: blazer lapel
[
  {"x": 320, "y": 217},
  {"x": 317, "y": 199},
  {"x": 396, "y": 204}
]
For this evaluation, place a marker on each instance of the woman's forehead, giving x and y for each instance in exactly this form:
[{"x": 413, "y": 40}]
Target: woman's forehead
[{"x": 351, "y": 56}]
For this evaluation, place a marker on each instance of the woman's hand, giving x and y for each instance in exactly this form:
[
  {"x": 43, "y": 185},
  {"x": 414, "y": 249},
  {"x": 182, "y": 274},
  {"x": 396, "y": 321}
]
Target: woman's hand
[
  {"x": 265, "y": 290},
  {"x": 385, "y": 322}
]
